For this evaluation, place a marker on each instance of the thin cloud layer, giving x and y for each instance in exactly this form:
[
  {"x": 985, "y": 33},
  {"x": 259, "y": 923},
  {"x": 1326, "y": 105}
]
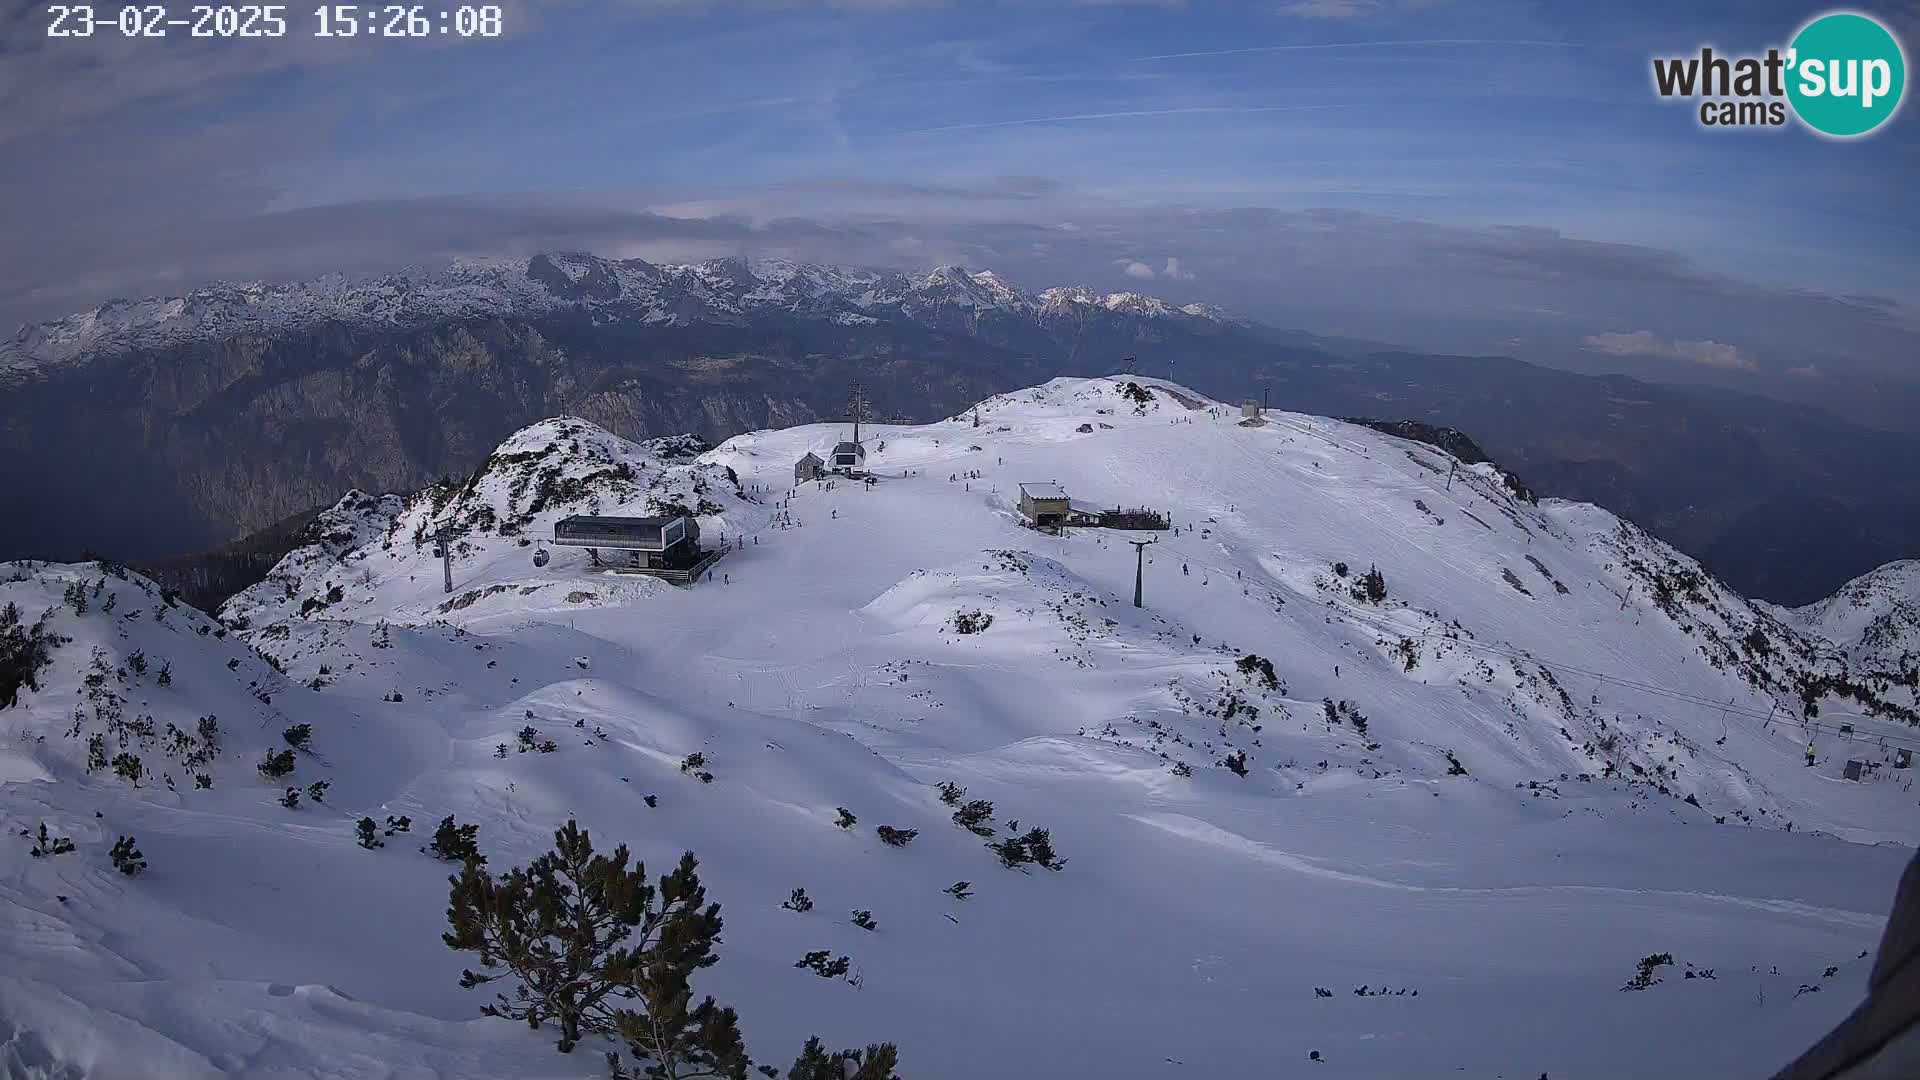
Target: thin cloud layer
[{"x": 1714, "y": 354}]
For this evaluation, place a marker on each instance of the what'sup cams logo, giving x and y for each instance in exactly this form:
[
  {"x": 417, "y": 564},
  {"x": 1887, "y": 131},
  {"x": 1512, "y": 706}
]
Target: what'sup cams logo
[{"x": 1843, "y": 75}]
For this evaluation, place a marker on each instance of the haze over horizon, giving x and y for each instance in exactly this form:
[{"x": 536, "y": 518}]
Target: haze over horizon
[{"x": 1489, "y": 178}]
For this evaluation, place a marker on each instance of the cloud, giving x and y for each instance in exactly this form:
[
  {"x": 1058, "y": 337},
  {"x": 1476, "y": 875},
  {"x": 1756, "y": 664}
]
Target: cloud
[
  {"x": 1331, "y": 9},
  {"x": 1173, "y": 271},
  {"x": 1714, "y": 354},
  {"x": 1351, "y": 9},
  {"x": 1805, "y": 371},
  {"x": 1458, "y": 288}
]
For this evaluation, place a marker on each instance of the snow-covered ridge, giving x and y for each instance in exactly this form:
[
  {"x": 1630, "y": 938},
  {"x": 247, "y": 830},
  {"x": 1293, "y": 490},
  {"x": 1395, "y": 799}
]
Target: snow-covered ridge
[
  {"x": 1874, "y": 618},
  {"x": 1301, "y": 805},
  {"x": 619, "y": 290}
]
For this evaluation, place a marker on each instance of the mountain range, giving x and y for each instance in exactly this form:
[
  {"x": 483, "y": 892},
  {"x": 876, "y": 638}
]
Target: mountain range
[
  {"x": 190, "y": 422},
  {"x": 1399, "y": 768}
]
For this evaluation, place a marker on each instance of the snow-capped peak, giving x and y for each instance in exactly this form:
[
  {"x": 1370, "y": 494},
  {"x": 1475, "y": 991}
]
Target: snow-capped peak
[{"x": 630, "y": 290}]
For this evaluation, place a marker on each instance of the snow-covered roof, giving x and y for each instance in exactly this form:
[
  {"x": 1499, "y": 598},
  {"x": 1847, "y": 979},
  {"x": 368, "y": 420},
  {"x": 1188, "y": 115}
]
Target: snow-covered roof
[
  {"x": 809, "y": 456},
  {"x": 1044, "y": 490},
  {"x": 1082, "y": 506}
]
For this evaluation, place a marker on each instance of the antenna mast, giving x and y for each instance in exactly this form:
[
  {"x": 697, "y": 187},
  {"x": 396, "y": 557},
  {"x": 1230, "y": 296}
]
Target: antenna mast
[{"x": 857, "y": 407}]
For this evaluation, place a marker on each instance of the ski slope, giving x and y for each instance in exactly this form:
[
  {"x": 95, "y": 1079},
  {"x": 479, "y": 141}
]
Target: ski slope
[{"x": 1507, "y": 837}]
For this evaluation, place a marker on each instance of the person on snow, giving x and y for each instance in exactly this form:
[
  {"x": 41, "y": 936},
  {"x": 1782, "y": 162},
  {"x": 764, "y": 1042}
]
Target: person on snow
[
  {"x": 1183, "y": 568},
  {"x": 1809, "y": 755}
]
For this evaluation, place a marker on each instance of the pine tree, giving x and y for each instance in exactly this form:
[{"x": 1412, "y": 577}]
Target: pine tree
[
  {"x": 299, "y": 736},
  {"x": 875, "y": 1063},
  {"x": 960, "y": 890},
  {"x": 893, "y": 837},
  {"x": 799, "y": 901},
  {"x": 291, "y": 800},
  {"x": 951, "y": 793},
  {"x": 317, "y": 791},
  {"x": 1039, "y": 846},
  {"x": 456, "y": 843},
  {"x": 578, "y": 931},
  {"x": 846, "y": 819},
  {"x": 367, "y": 833}
]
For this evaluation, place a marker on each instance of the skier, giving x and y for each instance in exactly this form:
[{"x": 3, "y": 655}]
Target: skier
[
  {"x": 1809, "y": 755},
  {"x": 1183, "y": 568}
]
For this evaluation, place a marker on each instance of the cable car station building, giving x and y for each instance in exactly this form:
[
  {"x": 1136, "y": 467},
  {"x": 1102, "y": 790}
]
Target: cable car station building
[{"x": 664, "y": 547}]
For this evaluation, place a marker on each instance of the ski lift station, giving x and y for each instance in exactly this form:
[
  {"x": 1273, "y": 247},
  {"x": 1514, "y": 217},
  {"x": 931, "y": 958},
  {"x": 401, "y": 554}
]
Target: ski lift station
[
  {"x": 664, "y": 547},
  {"x": 849, "y": 457},
  {"x": 1047, "y": 506}
]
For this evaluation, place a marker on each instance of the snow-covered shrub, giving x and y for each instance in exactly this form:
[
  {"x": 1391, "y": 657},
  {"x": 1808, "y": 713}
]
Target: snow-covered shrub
[
  {"x": 277, "y": 765},
  {"x": 971, "y": 622},
  {"x": 824, "y": 964},
  {"x": 1258, "y": 668},
  {"x": 1644, "y": 975},
  {"x": 1371, "y": 588},
  {"x": 975, "y": 817},
  {"x": 127, "y": 858},
  {"x": 896, "y": 837},
  {"x": 367, "y": 834},
  {"x": 50, "y": 845}
]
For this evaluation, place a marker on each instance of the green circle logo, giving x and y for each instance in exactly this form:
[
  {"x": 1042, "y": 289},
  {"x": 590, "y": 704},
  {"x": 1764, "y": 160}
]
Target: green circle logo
[{"x": 1846, "y": 74}]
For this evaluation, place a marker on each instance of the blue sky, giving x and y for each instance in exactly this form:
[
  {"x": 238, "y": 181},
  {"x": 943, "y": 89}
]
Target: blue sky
[{"x": 910, "y": 133}]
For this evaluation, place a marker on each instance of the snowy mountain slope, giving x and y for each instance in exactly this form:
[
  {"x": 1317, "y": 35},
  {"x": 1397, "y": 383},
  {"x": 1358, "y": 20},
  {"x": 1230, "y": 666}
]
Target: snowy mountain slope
[
  {"x": 718, "y": 291},
  {"x": 1874, "y": 619},
  {"x": 860, "y": 645}
]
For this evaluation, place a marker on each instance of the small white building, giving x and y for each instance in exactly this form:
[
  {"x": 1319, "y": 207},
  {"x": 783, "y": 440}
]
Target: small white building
[
  {"x": 808, "y": 468},
  {"x": 1045, "y": 504}
]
